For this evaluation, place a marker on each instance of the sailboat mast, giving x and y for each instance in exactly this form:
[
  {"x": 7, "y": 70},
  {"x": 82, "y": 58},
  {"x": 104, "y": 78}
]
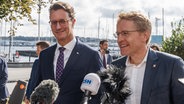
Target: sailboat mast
[
  {"x": 163, "y": 35},
  {"x": 98, "y": 27}
]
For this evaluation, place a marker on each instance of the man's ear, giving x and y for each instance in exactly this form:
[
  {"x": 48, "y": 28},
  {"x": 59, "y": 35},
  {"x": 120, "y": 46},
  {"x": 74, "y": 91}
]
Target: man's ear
[
  {"x": 146, "y": 36},
  {"x": 73, "y": 22}
]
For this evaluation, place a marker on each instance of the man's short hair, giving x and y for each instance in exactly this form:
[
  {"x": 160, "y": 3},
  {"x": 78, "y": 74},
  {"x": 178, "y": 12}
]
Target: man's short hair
[
  {"x": 155, "y": 46},
  {"x": 43, "y": 44},
  {"x": 102, "y": 42},
  {"x": 65, "y": 6},
  {"x": 141, "y": 22}
]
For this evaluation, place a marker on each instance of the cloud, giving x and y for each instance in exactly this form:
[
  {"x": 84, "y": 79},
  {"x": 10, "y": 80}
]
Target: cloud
[{"x": 88, "y": 14}]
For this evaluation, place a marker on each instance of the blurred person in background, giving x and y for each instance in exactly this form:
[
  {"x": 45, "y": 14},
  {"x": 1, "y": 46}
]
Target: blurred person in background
[
  {"x": 41, "y": 45},
  {"x": 104, "y": 53},
  {"x": 155, "y": 47},
  {"x": 4, "y": 94}
]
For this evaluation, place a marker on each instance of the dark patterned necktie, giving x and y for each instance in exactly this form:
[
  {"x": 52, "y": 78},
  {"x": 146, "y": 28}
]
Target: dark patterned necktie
[
  {"x": 60, "y": 64},
  {"x": 104, "y": 61}
]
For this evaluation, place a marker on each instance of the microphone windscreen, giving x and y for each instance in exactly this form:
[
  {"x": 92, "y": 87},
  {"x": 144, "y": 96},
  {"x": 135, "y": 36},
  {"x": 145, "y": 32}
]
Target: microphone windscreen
[
  {"x": 91, "y": 83},
  {"x": 46, "y": 92}
]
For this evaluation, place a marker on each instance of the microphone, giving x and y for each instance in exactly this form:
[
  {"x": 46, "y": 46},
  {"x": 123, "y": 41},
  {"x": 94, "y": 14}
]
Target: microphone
[
  {"x": 115, "y": 85},
  {"x": 90, "y": 86},
  {"x": 45, "y": 93}
]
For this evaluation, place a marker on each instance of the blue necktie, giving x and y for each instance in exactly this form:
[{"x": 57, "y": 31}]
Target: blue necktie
[{"x": 60, "y": 64}]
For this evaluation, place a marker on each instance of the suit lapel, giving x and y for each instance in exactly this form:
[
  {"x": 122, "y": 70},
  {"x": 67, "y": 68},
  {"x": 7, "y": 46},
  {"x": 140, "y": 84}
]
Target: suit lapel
[
  {"x": 51, "y": 59},
  {"x": 108, "y": 59},
  {"x": 149, "y": 76},
  {"x": 71, "y": 61}
]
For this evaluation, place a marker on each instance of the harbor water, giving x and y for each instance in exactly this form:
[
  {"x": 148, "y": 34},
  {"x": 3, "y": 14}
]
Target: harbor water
[{"x": 4, "y": 52}]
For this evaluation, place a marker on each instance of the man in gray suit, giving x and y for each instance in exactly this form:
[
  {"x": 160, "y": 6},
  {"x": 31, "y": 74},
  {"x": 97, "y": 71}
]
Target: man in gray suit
[
  {"x": 68, "y": 61},
  {"x": 154, "y": 77},
  {"x": 3, "y": 80}
]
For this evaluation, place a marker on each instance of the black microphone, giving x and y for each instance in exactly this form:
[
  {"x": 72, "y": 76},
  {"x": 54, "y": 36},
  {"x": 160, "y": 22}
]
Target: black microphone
[
  {"x": 115, "y": 85},
  {"x": 90, "y": 86},
  {"x": 46, "y": 92}
]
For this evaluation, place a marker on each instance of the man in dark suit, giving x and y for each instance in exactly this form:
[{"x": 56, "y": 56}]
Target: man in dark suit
[
  {"x": 154, "y": 76},
  {"x": 3, "y": 80},
  {"x": 68, "y": 61},
  {"x": 104, "y": 53},
  {"x": 41, "y": 45}
]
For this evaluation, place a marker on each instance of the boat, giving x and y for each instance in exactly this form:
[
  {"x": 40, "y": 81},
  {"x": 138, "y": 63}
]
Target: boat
[
  {"x": 29, "y": 53},
  {"x": 20, "y": 64},
  {"x": 21, "y": 59}
]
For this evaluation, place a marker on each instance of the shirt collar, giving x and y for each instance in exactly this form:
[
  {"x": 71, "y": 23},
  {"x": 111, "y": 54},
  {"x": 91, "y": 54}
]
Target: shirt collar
[
  {"x": 68, "y": 46},
  {"x": 143, "y": 61}
]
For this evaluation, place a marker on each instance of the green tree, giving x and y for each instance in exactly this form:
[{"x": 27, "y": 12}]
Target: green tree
[
  {"x": 174, "y": 44},
  {"x": 14, "y": 10}
]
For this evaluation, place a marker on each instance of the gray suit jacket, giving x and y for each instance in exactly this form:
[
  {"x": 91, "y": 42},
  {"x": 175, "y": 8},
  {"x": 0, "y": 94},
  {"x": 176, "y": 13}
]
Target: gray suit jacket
[
  {"x": 3, "y": 79},
  {"x": 160, "y": 84}
]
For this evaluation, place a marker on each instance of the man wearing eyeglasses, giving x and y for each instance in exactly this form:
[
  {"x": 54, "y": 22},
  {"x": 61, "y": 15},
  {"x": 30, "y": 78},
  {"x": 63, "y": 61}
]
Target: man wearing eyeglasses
[
  {"x": 68, "y": 61},
  {"x": 154, "y": 77}
]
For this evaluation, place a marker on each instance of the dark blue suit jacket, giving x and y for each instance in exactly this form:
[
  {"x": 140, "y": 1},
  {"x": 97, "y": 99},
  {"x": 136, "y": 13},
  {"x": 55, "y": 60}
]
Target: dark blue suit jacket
[
  {"x": 108, "y": 56},
  {"x": 160, "y": 84},
  {"x": 32, "y": 79},
  {"x": 109, "y": 59},
  {"x": 3, "y": 79},
  {"x": 83, "y": 60}
]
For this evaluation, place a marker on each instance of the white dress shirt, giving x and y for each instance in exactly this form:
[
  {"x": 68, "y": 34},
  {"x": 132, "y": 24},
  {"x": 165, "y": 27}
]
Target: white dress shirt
[
  {"x": 101, "y": 56},
  {"x": 67, "y": 52},
  {"x": 135, "y": 74}
]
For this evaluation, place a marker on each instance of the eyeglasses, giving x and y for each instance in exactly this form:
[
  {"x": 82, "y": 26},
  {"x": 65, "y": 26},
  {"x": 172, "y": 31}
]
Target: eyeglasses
[
  {"x": 61, "y": 22},
  {"x": 124, "y": 33}
]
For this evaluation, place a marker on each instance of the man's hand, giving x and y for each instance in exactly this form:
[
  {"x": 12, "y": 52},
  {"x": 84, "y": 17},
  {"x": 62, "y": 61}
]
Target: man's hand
[{"x": 26, "y": 101}]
